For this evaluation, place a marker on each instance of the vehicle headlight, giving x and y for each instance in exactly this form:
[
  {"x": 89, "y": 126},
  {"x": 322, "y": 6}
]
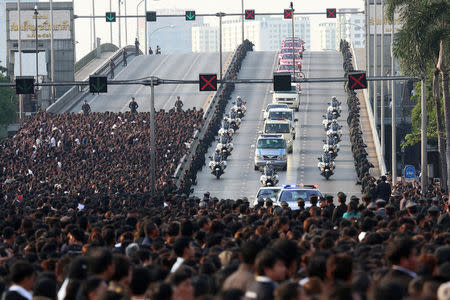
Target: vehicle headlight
[
  {"x": 259, "y": 156},
  {"x": 283, "y": 156}
]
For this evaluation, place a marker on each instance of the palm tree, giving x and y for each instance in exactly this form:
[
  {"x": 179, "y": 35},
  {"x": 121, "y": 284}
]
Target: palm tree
[{"x": 420, "y": 44}]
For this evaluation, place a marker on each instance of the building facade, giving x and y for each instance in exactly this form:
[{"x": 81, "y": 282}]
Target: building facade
[
  {"x": 328, "y": 37},
  {"x": 351, "y": 27}
]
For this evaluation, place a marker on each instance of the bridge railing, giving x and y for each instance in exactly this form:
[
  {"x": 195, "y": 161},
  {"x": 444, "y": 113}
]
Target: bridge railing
[
  {"x": 63, "y": 102},
  {"x": 376, "y": 138}
]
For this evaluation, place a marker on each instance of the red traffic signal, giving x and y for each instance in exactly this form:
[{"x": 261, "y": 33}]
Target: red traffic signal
[
  {"x": 249, "y": 14},
  {"x": 357, "y": 80},
  {"x": 208, "y": 82},
  {"x": 331, "y": 13},
  {"x": 288, "y": 13}
]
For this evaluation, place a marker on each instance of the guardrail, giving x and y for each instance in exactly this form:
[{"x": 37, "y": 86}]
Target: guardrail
[
  {"x": 93, "y": 54},
  {"x": 376, "y": 139},
  {"x": 61, "y": 104}
]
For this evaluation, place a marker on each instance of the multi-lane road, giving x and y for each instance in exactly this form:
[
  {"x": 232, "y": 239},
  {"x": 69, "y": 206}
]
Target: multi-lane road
[
  {"x": 176, "y": 66},
  {"x": 240, "y": 179}
]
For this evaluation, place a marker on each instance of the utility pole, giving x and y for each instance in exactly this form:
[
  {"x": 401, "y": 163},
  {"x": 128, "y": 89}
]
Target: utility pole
[
  {"x": 52, "y": 53},
  {"x": 382, "y": 83},
  {"x": 423, "y": 140},
  {"x": 146, "y": 29},
  {"x": 394, "y": 117},
  {"x": 242, "y": 19},
  {"x": 152, "y": 137},
  {"x": 220, "y": 44},
  {"x": 293, "y": 35},
  {"x": 20, "y": 60},
  {"x": 120, "y": 28},
  {"x": 368, "y": 44},
  {"x": 93, "y": 14},
  {"x": 375, "y": 42},
  {"x": 110, "y": 24}
]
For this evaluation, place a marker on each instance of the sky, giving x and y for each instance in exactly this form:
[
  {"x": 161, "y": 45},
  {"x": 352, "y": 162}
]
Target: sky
[{"x": 84, "y": 7}]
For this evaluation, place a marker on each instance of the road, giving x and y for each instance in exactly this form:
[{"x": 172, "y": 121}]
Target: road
[
  {"x": 176, "y": 66},
  {"x": 240, "y": 179}
]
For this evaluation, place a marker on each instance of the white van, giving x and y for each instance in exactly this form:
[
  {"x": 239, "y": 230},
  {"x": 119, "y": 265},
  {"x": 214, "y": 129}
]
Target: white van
[{"x": 291, "y": 98}]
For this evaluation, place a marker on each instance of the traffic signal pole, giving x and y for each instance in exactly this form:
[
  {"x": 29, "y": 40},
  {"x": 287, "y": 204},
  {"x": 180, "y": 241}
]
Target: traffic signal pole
[
  {"x": 152, "y": 137},
  {"x": 424, "y": 161},
  {"x": 393, "y": 111},
  {"x": 293, "y": 35},
  {"x": 220, "y": 14}
]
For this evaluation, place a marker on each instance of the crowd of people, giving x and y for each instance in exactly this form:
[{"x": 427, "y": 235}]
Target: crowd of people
[
  {"x": 224, "y": 95},
  {"x": 96, "y": 153},
  {"x": 78, "y": 223},
  {"x": 362, "y": 164}
]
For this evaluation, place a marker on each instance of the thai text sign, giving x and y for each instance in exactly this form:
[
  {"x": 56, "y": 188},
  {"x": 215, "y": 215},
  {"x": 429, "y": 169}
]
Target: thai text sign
[{"x": 61, "y": 25}]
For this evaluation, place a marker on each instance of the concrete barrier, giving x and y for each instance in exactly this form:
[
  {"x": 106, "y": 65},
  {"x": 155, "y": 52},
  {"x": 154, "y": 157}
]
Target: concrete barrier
[{"x": 376, "y": 138}]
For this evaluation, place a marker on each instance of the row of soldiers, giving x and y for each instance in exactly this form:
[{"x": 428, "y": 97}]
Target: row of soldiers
[
  {"x": 224, "y": 95},
  {"x": 360, "y": 154}
]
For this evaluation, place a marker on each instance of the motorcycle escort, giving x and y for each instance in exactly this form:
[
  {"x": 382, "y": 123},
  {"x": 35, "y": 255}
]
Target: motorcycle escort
[
  {"x": 335, "y": 130},
  {"x": 217, "y": 164},
  {"x": 331, "y": 146},
  {"x": 239, "y": 107},
  {"x": 326, "y": 165},
  {"x": 269, "y": 176},
  {"x": 328, "y": 118},
  {"x": 224, "y": 146},
  {"x": 234, "y": 120},
  {"x": 226, "y": 128}
]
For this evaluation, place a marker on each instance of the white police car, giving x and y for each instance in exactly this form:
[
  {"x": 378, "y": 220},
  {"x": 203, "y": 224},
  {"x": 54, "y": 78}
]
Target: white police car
[
  {"x": 291, "y": 193},
  {"x": 267, "y": 192}
]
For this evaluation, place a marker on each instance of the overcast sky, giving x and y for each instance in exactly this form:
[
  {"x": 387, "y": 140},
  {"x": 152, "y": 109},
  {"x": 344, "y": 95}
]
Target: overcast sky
[{"x": 84, "y": 7}]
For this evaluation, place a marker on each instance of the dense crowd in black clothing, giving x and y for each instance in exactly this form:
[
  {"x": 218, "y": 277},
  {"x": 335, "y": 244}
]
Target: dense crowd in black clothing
[
  {"x": 120, "y": 244},
  {"x": 99, "y": 153},
  {"x": 362, "y": 164}
]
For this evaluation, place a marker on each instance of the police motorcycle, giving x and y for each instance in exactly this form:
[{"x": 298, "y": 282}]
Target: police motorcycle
[
  {"x": 269, "y": 176},
  {"x": 326, "y": 165},
  {"x": 335, "y": 111},
  {"x": 234, "y": 120},
  {"x": 328, "y": 118},
  {"x": 335, "y": 130},
  {"x": 226, "y": 128},
  {"x": 331, "y": 146},
  {"x": 335, "y": 103},
  {"x": 217, "y": 164},
  {"x": 224, "y": 146},
  {"x": 239, "y": 107}
]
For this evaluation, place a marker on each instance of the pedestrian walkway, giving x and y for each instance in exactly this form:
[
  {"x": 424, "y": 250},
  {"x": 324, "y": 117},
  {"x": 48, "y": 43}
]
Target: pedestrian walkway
[
  {"x": 92, "y": 66},
  {"x": 359, "y": 61}
]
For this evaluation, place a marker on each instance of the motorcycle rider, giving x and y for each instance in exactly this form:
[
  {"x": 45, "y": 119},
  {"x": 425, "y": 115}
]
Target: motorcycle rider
[
  {"x": 86, "y": 108},
  {"x": 133, "y": 105},
  {"x": 239, "y": 101},
  {"x": 269, "y": 169},
  {"x": 218, "y": 156},
  {"x": 178, "y": 104},
  {"x": 225, "y": 123}
]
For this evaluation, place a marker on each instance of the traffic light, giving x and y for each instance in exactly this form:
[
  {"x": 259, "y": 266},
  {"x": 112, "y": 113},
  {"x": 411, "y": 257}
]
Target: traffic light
[
  {"x": 208, "y": 82},
  {"x": 110, "y": 17},
  {"x": 331, "y": 13},
  {"x": 249, "y": 14},
  {"x": 150, "y": 16},
  {"x": 98, "y": 84},
  {"x": 281, "y": 82},
  {"x": 357, "y": 80},
  {"x": 190, "y": 15},
  {"x": 25, "y": 85},
  {"x": 288, "y": 13}
]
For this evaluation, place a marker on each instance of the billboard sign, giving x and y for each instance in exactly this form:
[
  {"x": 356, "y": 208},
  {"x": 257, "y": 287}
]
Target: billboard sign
[{"x": 61, "y": 25}]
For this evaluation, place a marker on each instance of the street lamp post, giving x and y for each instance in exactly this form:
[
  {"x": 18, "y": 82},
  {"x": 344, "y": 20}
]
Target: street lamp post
[
  {"x": 242, "y": 19},
  {"x": 36, "y": 39},
  {"x": 137, "y": 19},
  {"x": 20, "y": 59},
  {"x": 157, "y": 29},
  {"x": 293, "y": 35}
]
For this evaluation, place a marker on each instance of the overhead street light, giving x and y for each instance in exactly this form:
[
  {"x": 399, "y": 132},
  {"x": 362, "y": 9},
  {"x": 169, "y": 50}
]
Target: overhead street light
[{"x": 158, "y": 29}]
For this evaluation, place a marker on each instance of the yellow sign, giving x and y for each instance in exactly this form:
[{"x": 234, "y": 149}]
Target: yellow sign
[{"x": 61, "y": 25}]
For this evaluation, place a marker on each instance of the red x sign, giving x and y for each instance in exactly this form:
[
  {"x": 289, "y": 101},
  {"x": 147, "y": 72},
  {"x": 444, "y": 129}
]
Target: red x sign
[
  {"x": 288, "y": 13},
  {"x": 249, "y": 14},
  {"x": 208, "y": 82},
  {"x": 357, "y": 80},
  {"x": 331, "y": 12}
]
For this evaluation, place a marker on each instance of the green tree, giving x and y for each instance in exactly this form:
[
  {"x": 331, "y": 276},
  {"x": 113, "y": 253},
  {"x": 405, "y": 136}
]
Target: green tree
[
  {"x": 421, "y": 46},
  {"x": 7, "y": 101}
]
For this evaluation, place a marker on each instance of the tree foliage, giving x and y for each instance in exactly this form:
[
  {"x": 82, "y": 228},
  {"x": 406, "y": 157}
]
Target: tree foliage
[{"x": 7, "y": 102}]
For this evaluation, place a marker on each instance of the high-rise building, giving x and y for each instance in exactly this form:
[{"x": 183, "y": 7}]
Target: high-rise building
[
  {"x": 173, "y": 35},
  {"x": 351, "y": 27},
  {"x": 266, "y": 33},
  {"x": 328, "y": 38}
]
